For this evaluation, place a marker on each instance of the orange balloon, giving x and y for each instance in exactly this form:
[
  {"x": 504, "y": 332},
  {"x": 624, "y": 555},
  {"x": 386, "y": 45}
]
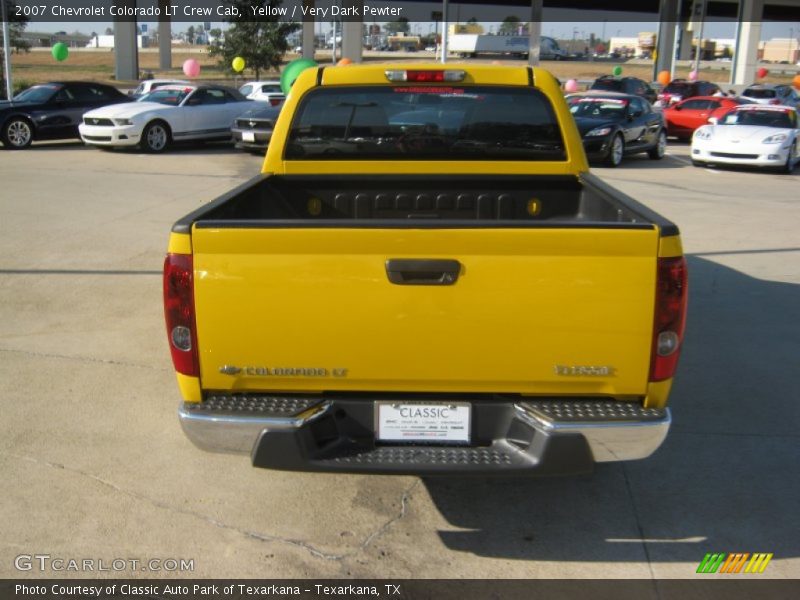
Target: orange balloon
[
  {"x": 343, "y": 62},
  {"x": 664, "y": 78},
  {"x": 796, "y": 81}
]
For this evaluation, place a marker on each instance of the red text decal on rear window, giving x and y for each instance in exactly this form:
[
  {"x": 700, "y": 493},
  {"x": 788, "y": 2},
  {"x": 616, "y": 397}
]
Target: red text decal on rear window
[{"x": 428, "y": 90}]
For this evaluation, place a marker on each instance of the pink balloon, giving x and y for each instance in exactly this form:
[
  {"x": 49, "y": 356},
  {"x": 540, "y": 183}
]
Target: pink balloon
[
  {"x": 571, "y": 85},
  {"x": 191, "y": 68},
  {"x": 693, "y": 76}
]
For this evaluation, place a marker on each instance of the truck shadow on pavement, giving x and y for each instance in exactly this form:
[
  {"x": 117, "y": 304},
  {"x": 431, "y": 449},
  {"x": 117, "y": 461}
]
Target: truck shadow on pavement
[{"x": 726, "y": 479}]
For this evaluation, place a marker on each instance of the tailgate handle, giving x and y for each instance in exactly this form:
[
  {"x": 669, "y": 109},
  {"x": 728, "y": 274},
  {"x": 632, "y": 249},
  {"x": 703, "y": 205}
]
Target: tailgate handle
[{"x": 425, "y": 271}]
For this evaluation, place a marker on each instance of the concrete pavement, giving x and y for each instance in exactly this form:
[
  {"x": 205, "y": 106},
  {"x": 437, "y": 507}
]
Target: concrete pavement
[{"x": 97, "y": 466}]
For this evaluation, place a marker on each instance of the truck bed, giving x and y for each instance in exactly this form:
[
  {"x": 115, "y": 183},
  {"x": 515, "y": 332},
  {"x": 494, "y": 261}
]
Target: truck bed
[{"x": 424, "y": 201}]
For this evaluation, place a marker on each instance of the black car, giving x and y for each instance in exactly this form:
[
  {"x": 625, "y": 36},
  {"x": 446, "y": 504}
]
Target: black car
[
  {"x": 253, "y": 130},
  {"x": 681, "y": 89},
  {"x": 613, "y": 125},
  {"x": 625, "y": 85},
  {"x": 52, "y": 111}
]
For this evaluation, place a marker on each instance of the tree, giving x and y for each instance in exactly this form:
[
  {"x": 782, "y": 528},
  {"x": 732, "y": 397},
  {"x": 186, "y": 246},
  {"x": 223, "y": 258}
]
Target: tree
[
  {"x": 509, "y": 26},
  {"x": 109, "y": 31},
  {"x": 399, "y": 26},
  {"x": 215, "y": 33},
  {"x": 260, "y": 43},
  {"x": 190, "y": 34},
  {"x": 16, "y": 26}
]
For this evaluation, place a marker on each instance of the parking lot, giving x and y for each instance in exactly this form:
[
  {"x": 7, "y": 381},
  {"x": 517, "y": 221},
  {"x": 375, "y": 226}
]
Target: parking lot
[{"x": 96, "y": 465}]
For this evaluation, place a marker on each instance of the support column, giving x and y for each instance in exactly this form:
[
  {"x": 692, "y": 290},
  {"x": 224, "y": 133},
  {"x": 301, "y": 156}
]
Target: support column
[
  {"x": 126, "y": 54},
  {"x": 535, "y": 33},
  {"x": 164, "y": 37},
  {"x": 352, "y": 38},
  {"x": 748, "y": 34},
  {"x": 685, "y": 43},
  {"x": 309, "y": 39},
  {"x": 667, "y": 19}
]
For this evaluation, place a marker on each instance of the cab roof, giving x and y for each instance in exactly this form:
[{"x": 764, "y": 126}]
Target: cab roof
[{"x": 474, "y": 74}]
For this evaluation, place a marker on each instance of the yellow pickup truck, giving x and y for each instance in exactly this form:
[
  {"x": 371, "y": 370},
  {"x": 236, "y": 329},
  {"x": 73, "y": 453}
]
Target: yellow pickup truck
[{"x": 425, "y": 279}]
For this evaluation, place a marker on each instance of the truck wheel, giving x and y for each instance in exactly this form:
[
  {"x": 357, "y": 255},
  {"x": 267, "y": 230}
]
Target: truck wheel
[
  {"x": 17, "y": 133},
  {"x": 658, "y": 151},
  {"x": 698, "y": 163},
  {"x": 615, "y": 152},
  {"x": 156, "y": 137}
]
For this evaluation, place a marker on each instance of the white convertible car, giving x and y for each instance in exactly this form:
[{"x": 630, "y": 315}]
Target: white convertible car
[
  {"x": 752, "y": 134},
  {"x": 166, "y": 115}
]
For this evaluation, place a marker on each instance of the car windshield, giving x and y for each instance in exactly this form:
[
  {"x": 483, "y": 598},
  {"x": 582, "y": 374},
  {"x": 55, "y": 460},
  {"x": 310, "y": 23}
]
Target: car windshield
[
  {"x": 170, "y": 97},
  {"x": 37, "y": 93},
  {"x": 246, "y": 90},
  {"x": 678, "y": 88},
  {"x": 425, "y": 123},
  {"x": 610, "y": 85},
  {"x": 760, "y": 118},
  {"x": 759, "y": 93},
  {"x": 598, "y": 108}
]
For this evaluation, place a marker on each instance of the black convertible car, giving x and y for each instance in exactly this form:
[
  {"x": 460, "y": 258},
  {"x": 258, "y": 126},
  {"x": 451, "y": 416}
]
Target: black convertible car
[
  {"x": 613, "y": 125},
  {"x": 52, "y": 111}
]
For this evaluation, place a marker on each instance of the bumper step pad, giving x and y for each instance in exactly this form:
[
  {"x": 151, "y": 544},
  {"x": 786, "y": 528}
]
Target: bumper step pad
[{"x": 256, "y": 405}]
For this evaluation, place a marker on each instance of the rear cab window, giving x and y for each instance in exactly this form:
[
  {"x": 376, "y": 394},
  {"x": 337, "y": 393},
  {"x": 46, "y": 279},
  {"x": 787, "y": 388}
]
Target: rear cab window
[{"x": 415, "y": 122}]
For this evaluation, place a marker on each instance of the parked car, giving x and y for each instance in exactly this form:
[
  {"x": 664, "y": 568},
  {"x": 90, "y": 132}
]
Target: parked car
[
  {"x": 681, "y": 89},
  {"x": 613, "y": 125},
  {"x": 263, "y": 91},
  {"x": 750, "y": 135},
  {"x": 52, "y": 111},
  {"x": 773, "y": 94},
  {"x": 687, "y": 115},
  {"x": 149, "y": 85},
  {"x": 253, "y": 129},
  {"x": 625, "y": 85},
  {"x": 166, "y": 115}
]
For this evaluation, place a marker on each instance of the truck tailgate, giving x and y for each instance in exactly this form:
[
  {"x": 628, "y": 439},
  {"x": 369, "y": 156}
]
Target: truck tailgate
[{"x": 533, "y": 310}]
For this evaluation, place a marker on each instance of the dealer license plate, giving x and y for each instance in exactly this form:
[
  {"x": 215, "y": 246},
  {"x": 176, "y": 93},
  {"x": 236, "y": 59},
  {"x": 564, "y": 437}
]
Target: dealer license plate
[
  {"x": 423, "y": 422},
  {"x": 248, "y": 136}
]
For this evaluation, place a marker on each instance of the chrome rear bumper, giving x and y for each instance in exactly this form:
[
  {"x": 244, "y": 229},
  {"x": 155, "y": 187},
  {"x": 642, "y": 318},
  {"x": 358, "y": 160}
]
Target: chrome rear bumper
[{"x": 316, "y": 434}]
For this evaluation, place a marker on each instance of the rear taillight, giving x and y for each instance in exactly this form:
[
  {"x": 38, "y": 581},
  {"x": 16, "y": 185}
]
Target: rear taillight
[
  {"x": 774, "y": 101},
  {"x": 179, "y": 313},
  {"x": 274, "y": 102},
  {"x": 670, "y": 317}
]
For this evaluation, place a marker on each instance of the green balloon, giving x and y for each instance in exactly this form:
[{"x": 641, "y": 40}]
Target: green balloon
[
  {"x": 60, "y": 51},
  {"x": 293, "y": 70},
  {"x": 617, "y": 71}
]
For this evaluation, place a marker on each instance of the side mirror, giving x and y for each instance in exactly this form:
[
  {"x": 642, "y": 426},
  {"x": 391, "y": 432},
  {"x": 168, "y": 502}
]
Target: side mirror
[{"x": 713, "y": 121}]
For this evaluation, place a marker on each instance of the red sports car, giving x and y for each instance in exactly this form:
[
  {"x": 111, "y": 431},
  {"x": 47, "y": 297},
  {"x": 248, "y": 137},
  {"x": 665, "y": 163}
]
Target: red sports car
[{"x": 686, "y": 116}]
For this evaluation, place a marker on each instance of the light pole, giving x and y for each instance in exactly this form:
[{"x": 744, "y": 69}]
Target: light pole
[
  {"x": 7, "y": 51},
  {"x": 699, "y": 50}
]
